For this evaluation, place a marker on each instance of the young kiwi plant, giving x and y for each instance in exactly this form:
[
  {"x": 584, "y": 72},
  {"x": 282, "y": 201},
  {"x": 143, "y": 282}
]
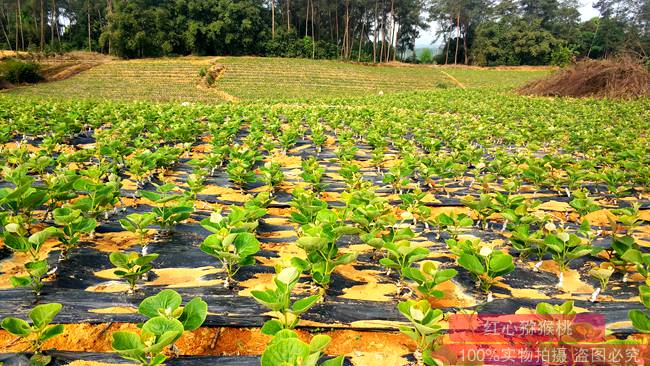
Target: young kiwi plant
[
  {"x": 425, "y": 329},
  {"x": 132, "y": 267},
  {"x": 167, "y": 304},
  {"x": 38, "y": 332},
  {"x": 485, "y": 263},
  {"x": 286, "y": 315},
  {"x": 233, "y": 242},
  {"x": 74, "y": 225},
  {"x": 15, "y": 238},
  {"x": 137, "y": 224},
  {"x": 286, "y": 349}
]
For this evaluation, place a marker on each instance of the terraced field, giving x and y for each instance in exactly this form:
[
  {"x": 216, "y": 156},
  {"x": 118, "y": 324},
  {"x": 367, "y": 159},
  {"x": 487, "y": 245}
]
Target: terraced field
[
  {"x": 347, "y": 229},
  {"x": 247, "y": 78}
]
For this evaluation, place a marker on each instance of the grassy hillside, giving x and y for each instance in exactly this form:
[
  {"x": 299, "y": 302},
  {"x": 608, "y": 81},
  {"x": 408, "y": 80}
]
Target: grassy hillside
[{"x": 249, "y": 78}]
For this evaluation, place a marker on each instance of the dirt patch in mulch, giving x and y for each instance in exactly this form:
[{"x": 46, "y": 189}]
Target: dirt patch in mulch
[{"x": 621, "y": 78}]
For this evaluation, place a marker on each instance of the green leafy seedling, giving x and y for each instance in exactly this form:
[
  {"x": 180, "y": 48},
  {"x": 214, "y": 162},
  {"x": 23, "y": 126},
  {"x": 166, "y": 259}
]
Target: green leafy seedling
[
  {"x": 168, "y": 215},
  {"x": 285, "y": 349},
  {"x": 131, "y": 266},
  {"x": 486, "y": 265},
  {"x": 37, "y": 333},
  {"x": 233, "y": 250},
  {"x": 272, "y": 174},
  {"x": 640, "y": 318},
  {"x": 167, "y": 304},
  {"x": 147, "y": 348},
  {"x": 428, "y": 276},
  {"x": 137, "y": 224},
  {"x": 37, "y": 268},
  {"x": 74, "y": 226},
  {"x": 278, "y": 300},
  {"x": 425, "y": 328}
]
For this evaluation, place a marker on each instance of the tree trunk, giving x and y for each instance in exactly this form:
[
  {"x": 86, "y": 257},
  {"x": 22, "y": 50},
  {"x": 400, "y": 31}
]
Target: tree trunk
[
  {"x": 272, "y": 19},
  {"x": 361, "y": 37},
  {"x": 336, "y": 15},
  {"x": 42, "y": 46},
  {"x": 109, "y": 24},
  {"x": 448, "y": 41},
  {"x": 383, "y": 31},
  {"x": 307, "y": 19},
  {"x": 374, "y": 41},
  {"x": 289, "y": 15},
  {"x": 392, "y": 29},
  {"x": 329, "y": 13},
  {"x": 90, "y": 44},
  {"x": 346, "y": 34},
  {"x": 313, "y": 34},
  {"x": 457, "y": 37},
  {"x": 19, "y": 17},
  {"x": 52, "y": 11},
  {"x": 17, "y": 46},
  {"x": 4, "y": 31},
  {"x": 395, "y": 43},
  {"x": 465, "y": 46}
]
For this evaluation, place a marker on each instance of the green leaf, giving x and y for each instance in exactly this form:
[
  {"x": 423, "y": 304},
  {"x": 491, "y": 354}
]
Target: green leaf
[
  {"x": 146, "y": 259},
  {"x": 337, "y": 361},
  {"x": 246, "y": 244},
  {"x": 319, "y": 342},
  {"x": 42, "y": 315},
  {"x": 40, "y": 237},
  {"x": 52, "y": 331},
  {"x": 285, "y": 352},
  {"x": 40, "y": 359},
  {"x": 119, "y": 260},
  {"x": 471, "y": 263},
  {"x": 311, "y": 243},
  {"x": 160, "y": 326},
  {"x": 20, "y": 281},
  {"x": 124, "y": 341},
  {"x": 163, "y": 341},
  {"x": 17, "y": 327},
  {"x": 194, "y": 314},
  {"x": 644, "y": 294},
  {"x": 157, "y": 359},
  {"x": 640, "y": 320},
  {"x": 272, "y": 327},
  {"x": 305, "y": 304},
  {"x": 166, "y": 301},
  {"x": 632, "y": 256},
  {"x": 500, "y": 263}
]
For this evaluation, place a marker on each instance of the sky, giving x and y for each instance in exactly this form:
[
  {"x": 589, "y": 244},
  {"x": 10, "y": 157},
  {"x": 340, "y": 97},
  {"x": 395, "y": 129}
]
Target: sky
[{"x": 428, "y": 37}]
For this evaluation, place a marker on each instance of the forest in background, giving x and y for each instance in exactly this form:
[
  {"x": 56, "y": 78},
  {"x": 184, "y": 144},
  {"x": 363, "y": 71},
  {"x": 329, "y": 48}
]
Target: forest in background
[{"x": 480, "y": 32}]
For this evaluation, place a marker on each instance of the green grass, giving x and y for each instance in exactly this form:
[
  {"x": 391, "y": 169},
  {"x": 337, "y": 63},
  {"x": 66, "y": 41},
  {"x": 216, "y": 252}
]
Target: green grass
[
  {"x": 277, "y": 78},
  {"x": 268, "y": 79},
  {"x": 502, "y": 78},
  {"x": 159, "y": 80}
]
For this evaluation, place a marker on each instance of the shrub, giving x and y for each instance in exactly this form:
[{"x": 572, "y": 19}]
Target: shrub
[
  {"x": 562, "y": 56},
  {"x": 15, "y": 71},
  {"x": 426, "y": 56}
]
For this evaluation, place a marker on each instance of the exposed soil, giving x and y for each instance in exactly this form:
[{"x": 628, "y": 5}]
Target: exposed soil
[
  {"x": 623, "y": 77},
  {"x": 223, "y": 341}
]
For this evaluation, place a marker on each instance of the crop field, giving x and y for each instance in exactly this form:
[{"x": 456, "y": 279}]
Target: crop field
[
  {"x": 250, "y": 78},
  {"x": 341, "y": 231}
]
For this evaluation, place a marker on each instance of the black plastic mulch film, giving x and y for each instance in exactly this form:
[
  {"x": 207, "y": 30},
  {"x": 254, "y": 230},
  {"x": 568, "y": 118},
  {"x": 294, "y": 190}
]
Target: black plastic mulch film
[{"x": 77, "y": 274}]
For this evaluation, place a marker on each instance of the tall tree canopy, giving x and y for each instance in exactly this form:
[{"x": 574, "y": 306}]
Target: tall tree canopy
[{"x": 485, "y": 32}]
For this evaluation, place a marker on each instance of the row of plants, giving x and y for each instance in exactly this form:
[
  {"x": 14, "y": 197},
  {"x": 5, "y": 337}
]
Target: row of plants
[{"x": 70, "y": 167}]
